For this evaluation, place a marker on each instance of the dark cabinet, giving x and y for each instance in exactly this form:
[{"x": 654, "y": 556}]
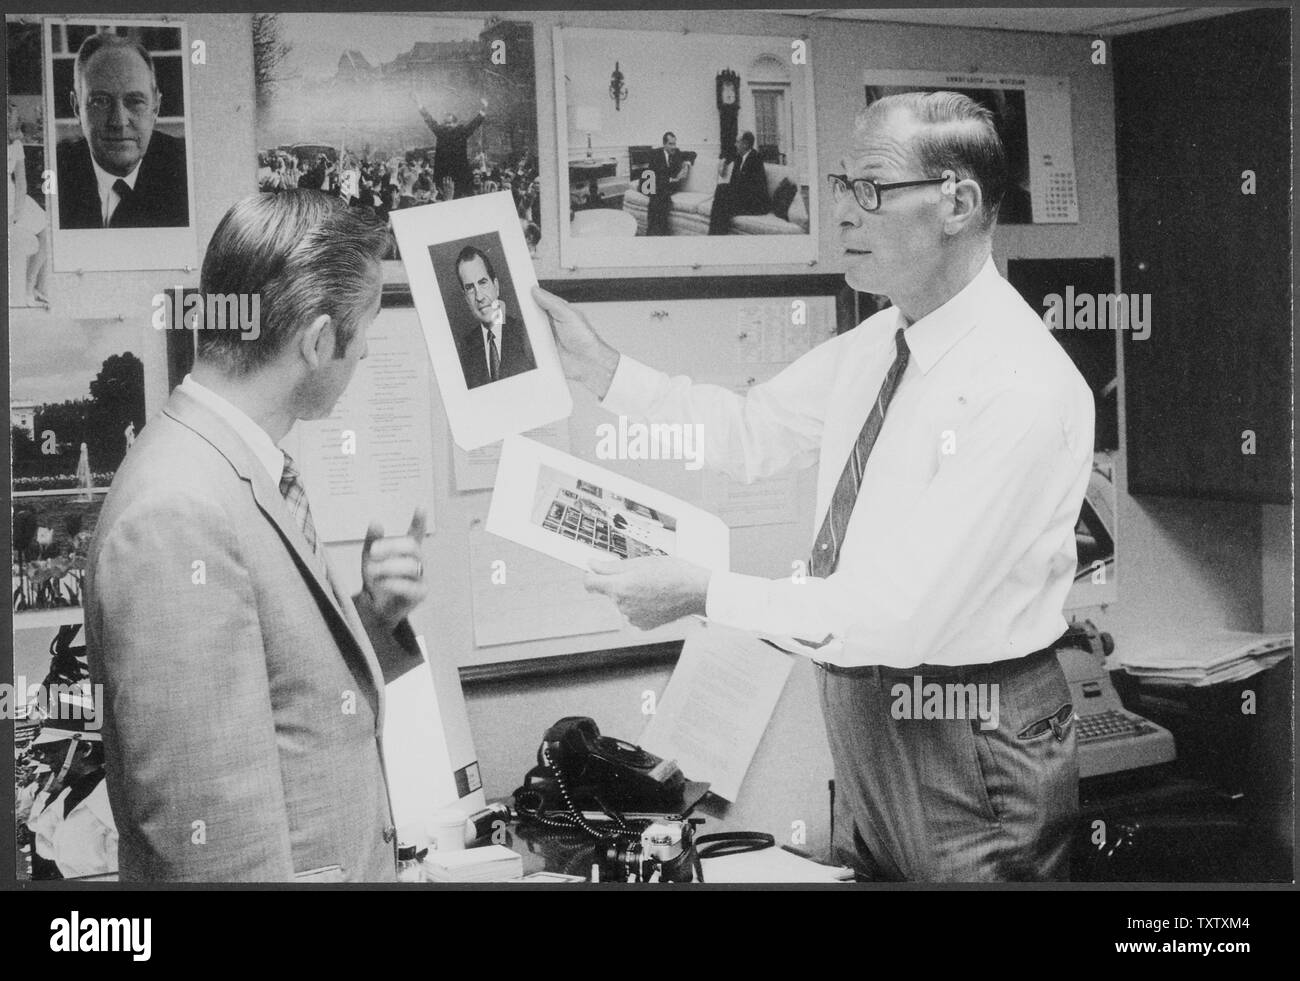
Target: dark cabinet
[{"x": 1196, "y": 105}]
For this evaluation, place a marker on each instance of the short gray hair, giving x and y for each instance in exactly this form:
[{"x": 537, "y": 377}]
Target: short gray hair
[
  {"x": 302, "y": 253},
  {"x": 959, "y": 135}
]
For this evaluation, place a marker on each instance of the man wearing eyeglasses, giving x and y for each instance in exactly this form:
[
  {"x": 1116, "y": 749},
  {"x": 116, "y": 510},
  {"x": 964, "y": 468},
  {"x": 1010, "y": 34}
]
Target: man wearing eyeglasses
[
  {"x": 953, "y": 440},
  {"x": 122, "y": 173}
]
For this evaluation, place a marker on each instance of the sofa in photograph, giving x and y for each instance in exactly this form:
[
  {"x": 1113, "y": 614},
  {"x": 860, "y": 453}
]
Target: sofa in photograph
[{"x": 692, "y": 204}]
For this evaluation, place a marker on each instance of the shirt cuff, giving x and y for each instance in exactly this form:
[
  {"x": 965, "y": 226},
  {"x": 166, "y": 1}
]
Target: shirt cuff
[
  {"x": 732, "y": 599},
  {"x": 631, "y": 387}
]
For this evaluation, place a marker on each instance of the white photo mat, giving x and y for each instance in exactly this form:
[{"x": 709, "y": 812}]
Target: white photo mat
[
  {"x": 647, "y": 520},
  {"x": 104, "y": 249},
  {"x": 481, "y": 415},
  {"x": 659, "y": 64}
]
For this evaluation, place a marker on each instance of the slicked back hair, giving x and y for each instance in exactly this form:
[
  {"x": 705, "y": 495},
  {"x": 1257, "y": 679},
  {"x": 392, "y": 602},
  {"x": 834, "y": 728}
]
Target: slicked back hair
[
  {"x": 99, "y": 42},
  {"x": 958, "y": 135},
  {"x": 468, "y": 254},
  {"x": 302, "y": 253}
]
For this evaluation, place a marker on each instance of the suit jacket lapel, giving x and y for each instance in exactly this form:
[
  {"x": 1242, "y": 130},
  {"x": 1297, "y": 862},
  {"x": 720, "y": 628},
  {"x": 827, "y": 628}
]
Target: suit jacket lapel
[{"x": 227, "y": 442}]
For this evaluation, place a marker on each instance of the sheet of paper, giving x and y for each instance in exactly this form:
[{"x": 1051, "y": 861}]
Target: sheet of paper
[
  {"x": 372, "y": 458},
  {"x": 426, "y": 740},
  {"x": 776, "y": 331},
  {"x": 717, "y": 705},
  {"x": 521, "y": 595},
  {"x": 771, "y": 865},
  {"x": 477, "y": 469},
  {"x": 764, "y": 502}
]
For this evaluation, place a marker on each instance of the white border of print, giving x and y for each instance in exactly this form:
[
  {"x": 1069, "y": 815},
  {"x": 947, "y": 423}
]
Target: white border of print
[
  {"x": 701, "y": 538},
  {"x": 98, "y": 249},
  {"x": 512, "y": 405},
  {"x": 683, "y": 250}
]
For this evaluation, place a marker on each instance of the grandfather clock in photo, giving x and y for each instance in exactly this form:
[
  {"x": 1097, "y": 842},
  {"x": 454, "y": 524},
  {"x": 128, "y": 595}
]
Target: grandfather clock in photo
[{"x": 728, "y": 111}]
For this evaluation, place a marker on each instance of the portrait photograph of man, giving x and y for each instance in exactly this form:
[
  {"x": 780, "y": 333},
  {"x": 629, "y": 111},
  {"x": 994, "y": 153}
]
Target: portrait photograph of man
[
  {"x": 121, "y": 171},
  {"x": 116, "y": 96},
  {"x": 482, "y": 309}
]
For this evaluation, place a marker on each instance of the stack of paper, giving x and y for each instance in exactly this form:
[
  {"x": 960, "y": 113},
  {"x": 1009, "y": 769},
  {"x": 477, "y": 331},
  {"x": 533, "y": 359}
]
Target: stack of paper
[
  {"x": 1220, "y": 656},
  {"x": 771, "y": 865},
  {"x": 489, "y": 863}
]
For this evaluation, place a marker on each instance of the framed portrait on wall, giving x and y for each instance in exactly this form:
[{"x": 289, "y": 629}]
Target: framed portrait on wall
[
  {"x": 117, "y": 105},
  {"x": 683, "y": 150}
]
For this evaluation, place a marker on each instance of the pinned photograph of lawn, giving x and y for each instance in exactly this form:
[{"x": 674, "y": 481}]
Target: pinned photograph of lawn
[{"x": 76, "y": 406}]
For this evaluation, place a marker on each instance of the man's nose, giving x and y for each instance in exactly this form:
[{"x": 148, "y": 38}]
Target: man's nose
[
  {"x": 117, "y": 114},
  {"x": 847, "y": 212}
]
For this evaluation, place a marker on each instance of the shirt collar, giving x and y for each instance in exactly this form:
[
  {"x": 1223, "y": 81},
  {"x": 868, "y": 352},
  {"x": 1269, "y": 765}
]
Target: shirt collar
[
  {"x": 107, "y": 180},
  {"x": 935, "y": 334},
  {"x": 268, "y": 454}
]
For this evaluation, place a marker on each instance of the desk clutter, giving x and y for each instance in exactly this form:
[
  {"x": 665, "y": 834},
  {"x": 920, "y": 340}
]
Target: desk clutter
[{"x": 1218, "y": 657}]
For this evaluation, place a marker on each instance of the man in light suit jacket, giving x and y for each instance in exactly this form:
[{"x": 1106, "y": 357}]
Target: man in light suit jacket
[
  {"x": 121, "y": 173},
  {"x": 746, "y": 191},
  {"x": 497, "y": 345},
  {"x": 244, "y": 689}
]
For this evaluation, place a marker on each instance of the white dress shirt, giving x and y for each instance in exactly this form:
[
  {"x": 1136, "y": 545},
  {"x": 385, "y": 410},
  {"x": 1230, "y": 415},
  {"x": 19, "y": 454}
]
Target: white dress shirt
[
  {"x": 259, "y": 441},
  {"x": 108, "y": 198},
  {"x": 961, "y": 547}
]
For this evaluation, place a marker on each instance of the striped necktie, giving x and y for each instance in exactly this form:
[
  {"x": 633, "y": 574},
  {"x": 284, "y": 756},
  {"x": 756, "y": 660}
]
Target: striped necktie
[
  {"x": 295, "y": 496},
  {"x": 826, "y": 549},
  {"x": 494, "y": 357}
]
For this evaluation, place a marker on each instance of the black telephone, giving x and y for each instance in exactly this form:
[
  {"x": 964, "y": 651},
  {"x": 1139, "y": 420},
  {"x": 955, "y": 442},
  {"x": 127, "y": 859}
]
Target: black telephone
[
  {"x": 602, "y": 773},
  {"x": 580, "y": 772}
]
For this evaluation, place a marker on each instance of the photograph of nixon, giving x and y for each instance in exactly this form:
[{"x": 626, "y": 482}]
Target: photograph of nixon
[
  {"x": 120, "y": 121},
  {"x": 482, "y": 309}
]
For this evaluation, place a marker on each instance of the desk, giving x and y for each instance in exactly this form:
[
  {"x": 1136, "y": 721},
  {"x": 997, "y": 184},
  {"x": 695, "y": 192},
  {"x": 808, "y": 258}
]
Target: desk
[
  {"x": 584, "y": 180},
  {"x": 1221, "y": 812}
]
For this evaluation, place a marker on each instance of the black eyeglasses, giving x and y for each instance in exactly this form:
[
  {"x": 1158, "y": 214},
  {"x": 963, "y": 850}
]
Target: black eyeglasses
[{"x": 866, "y": 191}]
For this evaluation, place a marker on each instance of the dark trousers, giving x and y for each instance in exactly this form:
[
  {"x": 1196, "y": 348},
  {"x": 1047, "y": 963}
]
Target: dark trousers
[
  {"x": 953, "y": 798},
  {"x": 726, "y": 204},
  {"x": 657, "y": 214}
]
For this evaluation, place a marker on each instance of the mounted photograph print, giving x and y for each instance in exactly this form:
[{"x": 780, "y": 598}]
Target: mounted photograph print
[
  {"x": 29, "y": 224},
  {"x": 117, "y": 98},
  {"x": 573, "y": 510},
  {"x": 76, "y": 406},
  {"x": 398, "y": 110},
  {"x": 684, "y": 149},
  {"x": 491, "y": 346}
]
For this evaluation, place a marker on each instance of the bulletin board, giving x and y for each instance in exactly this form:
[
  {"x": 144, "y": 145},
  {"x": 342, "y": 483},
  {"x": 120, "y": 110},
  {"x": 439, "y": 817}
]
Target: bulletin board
[
  {"x": 507, "y": 612},
  {"x": 503, "y": 611}
]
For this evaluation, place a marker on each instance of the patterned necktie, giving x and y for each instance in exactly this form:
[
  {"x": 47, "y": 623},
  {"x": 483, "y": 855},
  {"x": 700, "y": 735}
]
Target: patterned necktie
[
  {"x": 295, "y": 496},
  {"x": 494, "y": 358},
  {"x": 826, "y": 549},
  {"x": 123, "y": 191}
]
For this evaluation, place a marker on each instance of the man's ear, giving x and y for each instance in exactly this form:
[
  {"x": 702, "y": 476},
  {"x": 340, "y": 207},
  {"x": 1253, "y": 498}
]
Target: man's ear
[
  {"x": 967, "y": 203},
  {"x": 75, "y": 103},
  {"x": 316, "y": 342}
]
